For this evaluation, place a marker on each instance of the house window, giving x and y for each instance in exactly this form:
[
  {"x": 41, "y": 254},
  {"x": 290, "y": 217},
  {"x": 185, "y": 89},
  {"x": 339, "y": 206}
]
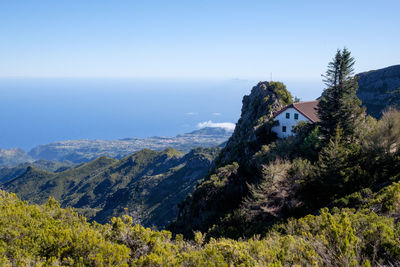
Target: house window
[
  {"x": 287, "y": 115},
  {"x": 284, "y": 129},
  {"x": 296, "y": 116}
]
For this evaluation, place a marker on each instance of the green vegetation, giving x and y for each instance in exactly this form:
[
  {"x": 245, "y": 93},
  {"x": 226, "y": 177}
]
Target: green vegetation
[
  {"x": 147, "y": 185},
  {"x": 224, "y": 189},
  {"x": 282, "y": 93},
  {"x": 271, "y": 180},
  {"x": 327, "y": 196},
  {"x": 9, "y": 173},
  {"x": 339, "y": 105},
  {"x": 48, "y": 235}
]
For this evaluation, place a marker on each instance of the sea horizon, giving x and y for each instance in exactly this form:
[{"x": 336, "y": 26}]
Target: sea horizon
[{"x": 39, "y": 111}]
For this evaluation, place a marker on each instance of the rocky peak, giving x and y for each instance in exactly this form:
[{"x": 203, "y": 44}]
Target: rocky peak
[
  {"x": 257, "y": 110},
  {"x": 225, "y": 186}
]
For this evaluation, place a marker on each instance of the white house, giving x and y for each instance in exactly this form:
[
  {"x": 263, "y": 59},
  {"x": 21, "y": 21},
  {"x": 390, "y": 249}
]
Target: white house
[{"x": 290, "y": 115}]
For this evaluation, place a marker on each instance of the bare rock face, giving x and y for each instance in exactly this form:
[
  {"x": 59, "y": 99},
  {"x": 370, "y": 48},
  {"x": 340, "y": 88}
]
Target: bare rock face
[
  {"x": 379, "y": 89},
  {"x": 225, "y": 186},
  {"x": 258, "y": 108}
]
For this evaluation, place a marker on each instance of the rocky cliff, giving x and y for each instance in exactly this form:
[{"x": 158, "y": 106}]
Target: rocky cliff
[
  {"x": 252, "y": 128},
  {"x": 225, "y": 187},
  {"x": 379, "y": 89}
]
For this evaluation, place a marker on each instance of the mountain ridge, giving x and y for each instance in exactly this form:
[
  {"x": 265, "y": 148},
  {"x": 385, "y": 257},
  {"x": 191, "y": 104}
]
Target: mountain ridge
[
  {"x": 148, "y": 185},
  {"x": 379, "y": 89}
]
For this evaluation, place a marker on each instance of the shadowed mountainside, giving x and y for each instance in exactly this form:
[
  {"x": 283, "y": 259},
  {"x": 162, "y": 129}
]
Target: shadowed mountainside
[
  {"x": 147, "y": 185},
  {"x": 379, "y": 89},
  {"x": 8, "y": 173}
]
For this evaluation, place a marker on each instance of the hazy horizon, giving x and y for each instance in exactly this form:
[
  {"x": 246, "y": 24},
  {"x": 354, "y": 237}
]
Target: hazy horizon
[
  {"x": 39, "y": 111},
  {"x": 118, "y": 69}
]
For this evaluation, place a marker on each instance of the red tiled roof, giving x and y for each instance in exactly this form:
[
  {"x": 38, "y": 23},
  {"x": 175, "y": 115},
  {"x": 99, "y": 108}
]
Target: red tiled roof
[{"x": 308, "y": 109}]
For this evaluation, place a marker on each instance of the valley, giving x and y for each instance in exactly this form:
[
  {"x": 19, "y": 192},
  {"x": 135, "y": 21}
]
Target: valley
[{"x": 147, "y": 185}]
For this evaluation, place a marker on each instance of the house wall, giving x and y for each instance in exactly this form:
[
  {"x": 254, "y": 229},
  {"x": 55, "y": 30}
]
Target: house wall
[{"x": 289, "y": 123}]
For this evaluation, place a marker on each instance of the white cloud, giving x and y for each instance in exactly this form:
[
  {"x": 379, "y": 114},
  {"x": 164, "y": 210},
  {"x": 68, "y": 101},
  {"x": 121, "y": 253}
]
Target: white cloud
[
  {"x": 226, "y": 125},
  {"x": 217, "y": 114},
  {"x": 191, "y": 113}
]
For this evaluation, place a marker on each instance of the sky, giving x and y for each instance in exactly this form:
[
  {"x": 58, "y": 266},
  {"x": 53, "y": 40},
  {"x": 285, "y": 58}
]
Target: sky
[
  {"x": 204, "y": 39},
  {"x": 73, "y": 69}
]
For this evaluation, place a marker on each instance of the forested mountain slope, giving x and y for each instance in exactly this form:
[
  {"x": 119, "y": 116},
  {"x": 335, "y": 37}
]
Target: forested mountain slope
[
  {"x": 147, "y": 185},
  {"x": 259, "y": 180},
  {"x": 8, "y": 173},
  {"x": 327, "y": 196}
]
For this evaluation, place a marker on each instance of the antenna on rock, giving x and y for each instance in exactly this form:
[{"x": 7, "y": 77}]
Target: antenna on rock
[{"x": 270, "y": 77}]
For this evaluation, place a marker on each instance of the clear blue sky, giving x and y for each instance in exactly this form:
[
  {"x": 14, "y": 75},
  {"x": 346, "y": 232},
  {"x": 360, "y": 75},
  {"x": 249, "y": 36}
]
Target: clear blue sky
[{"x": 184, "y": 39}]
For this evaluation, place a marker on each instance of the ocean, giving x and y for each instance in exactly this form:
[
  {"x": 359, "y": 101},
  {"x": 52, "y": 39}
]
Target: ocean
[{"x": 36, "y": 111}]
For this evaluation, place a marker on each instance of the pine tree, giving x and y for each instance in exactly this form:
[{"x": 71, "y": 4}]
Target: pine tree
[{"x": 339, "y": 105}]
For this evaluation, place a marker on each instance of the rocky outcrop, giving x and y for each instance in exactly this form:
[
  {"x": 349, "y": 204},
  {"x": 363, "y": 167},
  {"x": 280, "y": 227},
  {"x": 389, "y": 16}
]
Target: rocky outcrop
[
  {"x": 226, "y": 185},
  {"x": 257, "y": 109},
  {"x": 379, "y": 89}
]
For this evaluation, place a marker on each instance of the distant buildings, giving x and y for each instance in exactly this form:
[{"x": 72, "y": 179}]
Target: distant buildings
[{"x": 290, "y": 115}]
